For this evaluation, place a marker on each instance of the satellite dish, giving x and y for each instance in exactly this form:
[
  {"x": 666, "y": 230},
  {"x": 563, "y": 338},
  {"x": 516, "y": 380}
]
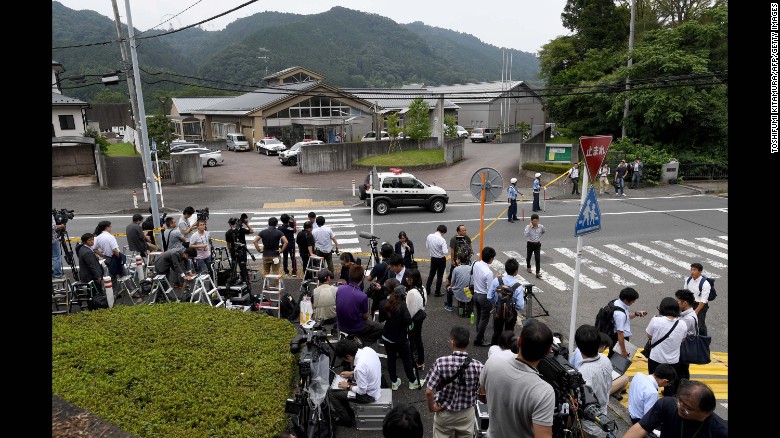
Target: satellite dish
[{"x": 494, "y": 184}]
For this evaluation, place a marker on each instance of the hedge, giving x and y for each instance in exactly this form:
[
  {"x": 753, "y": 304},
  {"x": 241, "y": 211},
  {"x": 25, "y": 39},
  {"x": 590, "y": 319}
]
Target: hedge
[{"x": 176, "y": 369}]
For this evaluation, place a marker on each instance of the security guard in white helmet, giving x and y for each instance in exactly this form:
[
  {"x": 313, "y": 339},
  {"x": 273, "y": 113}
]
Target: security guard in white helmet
[
  {"x": 511, "y": 192},
  {"x": 537, "y": 189}
]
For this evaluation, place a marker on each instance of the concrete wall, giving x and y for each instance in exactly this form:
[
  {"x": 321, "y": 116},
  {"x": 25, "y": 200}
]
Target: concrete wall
[
  {"x": 187, "y": 168},
  {"x": 340, "y": 156},
  {"x": 71, "y": 160}
]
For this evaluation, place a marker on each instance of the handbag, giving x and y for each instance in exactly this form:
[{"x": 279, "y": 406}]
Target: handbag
[
  {"x": 648, "y": 346},
  {"x": 695, "y": 349}
]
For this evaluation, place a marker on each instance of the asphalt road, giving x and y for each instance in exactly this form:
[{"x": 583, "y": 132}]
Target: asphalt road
[{"x": 645, "y": 239}]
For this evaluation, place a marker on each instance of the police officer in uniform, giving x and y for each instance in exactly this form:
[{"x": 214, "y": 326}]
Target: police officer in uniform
[
  {"x": 537, "y": 189},
  {"x": 511, "y": 192}
]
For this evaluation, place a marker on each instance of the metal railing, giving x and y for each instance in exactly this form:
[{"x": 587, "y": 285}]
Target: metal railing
[{"x": 703, "y": 171}]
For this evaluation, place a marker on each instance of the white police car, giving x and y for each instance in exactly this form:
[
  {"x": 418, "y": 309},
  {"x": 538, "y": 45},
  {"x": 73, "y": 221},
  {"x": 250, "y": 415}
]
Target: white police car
[{"x": 397, "y": 188}]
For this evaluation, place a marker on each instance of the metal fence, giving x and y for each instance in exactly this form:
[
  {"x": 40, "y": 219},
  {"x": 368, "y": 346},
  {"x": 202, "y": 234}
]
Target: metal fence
[
  {"x": 165, "y": 171},
  {"x": 703, "y": 171}
]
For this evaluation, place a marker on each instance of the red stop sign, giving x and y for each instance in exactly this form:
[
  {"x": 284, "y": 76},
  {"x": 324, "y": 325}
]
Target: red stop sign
[{"x": 594, "y": 149}]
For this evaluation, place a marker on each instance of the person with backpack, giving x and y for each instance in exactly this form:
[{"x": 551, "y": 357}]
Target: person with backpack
[
  {"x": 700, "y": 286},
  {"x": 460, "y": 244},
  {"x": 415, "y": 301},
  {"x": 615, "y": 318},
  {"x": 506, "y": 294}
]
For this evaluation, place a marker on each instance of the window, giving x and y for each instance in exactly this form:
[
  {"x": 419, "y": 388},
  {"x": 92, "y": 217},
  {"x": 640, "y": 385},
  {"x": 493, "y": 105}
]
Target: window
[{"x": 66, "y": 122}]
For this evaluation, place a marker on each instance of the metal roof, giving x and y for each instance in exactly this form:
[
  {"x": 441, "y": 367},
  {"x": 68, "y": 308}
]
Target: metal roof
[
  {"x": 478, "y": 92},
  {"x": 395, "y": 98},
  {"x": 62, "y": 100},
  {"x": 290, "y": 69},
  {"x": 259, "y": 98},
  {"x": 189, "y": 105}
]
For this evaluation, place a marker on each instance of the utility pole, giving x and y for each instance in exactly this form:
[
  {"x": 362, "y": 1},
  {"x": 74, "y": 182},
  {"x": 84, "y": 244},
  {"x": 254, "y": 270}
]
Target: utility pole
[
  {"x": 144, "y": 133},
  {"x": 128, "y": 76},
  {"x": 630, "y": 63}
]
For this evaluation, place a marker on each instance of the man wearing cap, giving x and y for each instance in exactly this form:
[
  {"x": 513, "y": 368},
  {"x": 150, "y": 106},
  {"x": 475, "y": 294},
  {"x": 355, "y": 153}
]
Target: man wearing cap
[
  {"x": 537, "y": 189},
  {"x": 511, "y": 193},
  {"x": 324, "y": 298},
  {"x": 620, "y": 173}
]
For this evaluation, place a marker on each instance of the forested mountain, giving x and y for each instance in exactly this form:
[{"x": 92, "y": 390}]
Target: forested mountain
[{"x": 350, "y": 48}]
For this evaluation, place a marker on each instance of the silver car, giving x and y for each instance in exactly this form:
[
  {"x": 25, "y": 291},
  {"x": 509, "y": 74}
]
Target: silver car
[
  {"x": 208, "y": 157},
  {"x": 270, "y": 146}
]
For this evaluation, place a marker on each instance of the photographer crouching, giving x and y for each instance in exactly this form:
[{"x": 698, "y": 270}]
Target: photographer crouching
[{"x": 362, "y": 385}]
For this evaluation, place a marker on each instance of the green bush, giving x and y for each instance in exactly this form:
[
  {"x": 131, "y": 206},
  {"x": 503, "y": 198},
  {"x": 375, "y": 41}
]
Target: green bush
[{"x": 176, "y": 369}]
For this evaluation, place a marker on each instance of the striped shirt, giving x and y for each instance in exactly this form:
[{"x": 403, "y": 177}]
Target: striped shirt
[
  {"x": 436, "y": 245},
  {"x": 534, "y": 234},
  {"x": 461, "y": 393}
]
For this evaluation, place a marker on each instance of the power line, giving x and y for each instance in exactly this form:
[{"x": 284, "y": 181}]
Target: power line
[{"x": 160, "y": 24}]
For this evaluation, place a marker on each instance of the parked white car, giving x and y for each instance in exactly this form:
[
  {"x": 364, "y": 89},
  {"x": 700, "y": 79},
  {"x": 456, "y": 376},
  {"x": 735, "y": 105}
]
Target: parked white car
[
  {"x": 208, "y": 157},
  {"x": 461, "y": 132},
  {"x": 237, "y": 142},
  {"x": 270, "y": 146},
  {"x": 372, "y": 136}
]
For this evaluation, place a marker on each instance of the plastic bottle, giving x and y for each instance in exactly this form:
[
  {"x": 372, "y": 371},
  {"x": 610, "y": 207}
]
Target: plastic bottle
[{"x": 471, "y": 319}]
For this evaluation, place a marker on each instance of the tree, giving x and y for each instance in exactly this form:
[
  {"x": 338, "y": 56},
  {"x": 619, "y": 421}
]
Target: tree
[
  {"x": 596, "y": 23},
  {"x": 160, "y": 131},
  {"x": 393, "y": 129},
  {"x": 417, "y": 122},
  {"x": 450, "y": 128},
  {"x": 99, "y": 139}
]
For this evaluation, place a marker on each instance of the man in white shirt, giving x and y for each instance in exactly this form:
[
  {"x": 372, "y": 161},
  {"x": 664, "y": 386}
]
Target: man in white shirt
[
  {"x": 481, "y": 279},
  {"x": 701, "y": 297},
  {"x": 437, "y": 247},
  {"x": 622, "y": 333},
  {"x": 574, "y": 175},
  {"x": 596, "y": 369},
  {"x": 324, "y": 242},
  {"x": 643, "y": 392},
  {"x": 364, "y": 381}
]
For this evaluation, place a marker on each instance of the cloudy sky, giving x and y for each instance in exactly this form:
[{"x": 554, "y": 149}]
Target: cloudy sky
[{"x": 519, "y": 24}]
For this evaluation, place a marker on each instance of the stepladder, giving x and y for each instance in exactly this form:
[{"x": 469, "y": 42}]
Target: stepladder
[
  {"x": 205, "y": 291},
  {"x": 315, "y": 264},
  {"x": 161, "y": 290},
  {"x": 273, "y": 288}
]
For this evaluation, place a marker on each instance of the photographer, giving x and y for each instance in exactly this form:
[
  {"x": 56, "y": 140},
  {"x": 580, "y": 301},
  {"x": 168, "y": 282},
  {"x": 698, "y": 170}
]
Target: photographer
[
  {"x": 231, "y": 239},
  {"x": 376, "y": 278},
  {"x": 520, "y": 402},
  {"x": 364, "y": 381},
  {"x": 56, "y": 252},
  {"x": 242, "y": 229},
  {"x": 107, "y": 246},
  {"x": 305, "y": 242},
  {"x": 352, "y": 309},
  {"x": 200, "y": 241},
  {"x": 287, "y": 229},
  {"x": 325, "y": 242},
  {"x": 136, "y": 239},
  {"x": 173, "y": 264},
  {"x": 596, "y": 369},
  {"x": 460, "y": 244},
  {"x": 271, "y": 237},
  {"x": 184, "y": 224},
  {"x": 171, "y": 236},
  {"x": 346, "y": 259}
]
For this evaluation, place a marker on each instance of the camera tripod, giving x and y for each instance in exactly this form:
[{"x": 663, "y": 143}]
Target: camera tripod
[
  {"x": 373, "y": 259},
  {"x": 67, "y": 252},
  {"x": 530, "y": 297}
]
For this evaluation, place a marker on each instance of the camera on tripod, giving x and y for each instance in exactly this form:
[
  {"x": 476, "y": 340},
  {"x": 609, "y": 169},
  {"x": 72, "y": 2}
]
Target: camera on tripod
[
  {"x": 571, "y": 395},
  {"x": 203, "y": 214},
  {"x": 62, "y": 216}
]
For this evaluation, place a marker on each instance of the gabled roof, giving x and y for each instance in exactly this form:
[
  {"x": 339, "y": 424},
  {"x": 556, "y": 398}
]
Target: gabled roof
[
  {"x": 56, "y": 66},
  {"x": 58, "y": 99},
  {"x": 480, "y": 92},
  {"x": 189, "y": 105},
  {"x": 288, "y": 71},
  {"x": 397, "y": 99}
]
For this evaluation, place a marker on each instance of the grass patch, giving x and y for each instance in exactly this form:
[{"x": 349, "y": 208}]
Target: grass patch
[
  {"x": 406, "y": 158},
  {"x": 176, "y": 369},
  {"x": 122, "y": 150},
  {"x": 562, "y": 140}
]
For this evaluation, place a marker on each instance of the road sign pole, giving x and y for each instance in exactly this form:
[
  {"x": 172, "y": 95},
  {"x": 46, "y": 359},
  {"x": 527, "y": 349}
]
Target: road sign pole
[
  {"x": 482, "y": 216},
  {"x": 573, "y": 320}
]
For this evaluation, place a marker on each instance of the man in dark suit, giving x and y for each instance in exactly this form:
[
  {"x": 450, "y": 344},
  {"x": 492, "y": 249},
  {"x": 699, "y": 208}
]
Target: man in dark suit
[
  {"x": 173, "y": 263},
  {"x": 397, "y": 269}
]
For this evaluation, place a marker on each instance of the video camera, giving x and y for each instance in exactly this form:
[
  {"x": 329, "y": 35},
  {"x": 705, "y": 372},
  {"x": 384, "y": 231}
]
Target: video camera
[
  {"x": 203, "y": 214},
  {"x": 314, "y": 344},
  {"x": 62, "y": 216},
  {"x": 572, "y": 395}
]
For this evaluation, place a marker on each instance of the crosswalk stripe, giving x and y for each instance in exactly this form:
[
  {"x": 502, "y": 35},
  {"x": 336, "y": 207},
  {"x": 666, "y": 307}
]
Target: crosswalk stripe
[
  {"x": 341, "y": 226},
  {"x": 686, "y": 265},
  {"x": 566, "y": 269},
  {"x": 702, "y": 249},
  {"x": 555, "y": 282},
  {"x": 647, "y": 262},
  {"x": 352, "y": 250},
  {"x": 345, "y": 233},
  {"x": 345, "y": 241},
  {"x": 514, "y": 255},
  {"x": 713, "y": 242},
  {"x": 726, "y": 238},
  {"x": 303, "y": 213},
  {"x": 624, "y": 266},
  {"x": 599, "y": 270}
]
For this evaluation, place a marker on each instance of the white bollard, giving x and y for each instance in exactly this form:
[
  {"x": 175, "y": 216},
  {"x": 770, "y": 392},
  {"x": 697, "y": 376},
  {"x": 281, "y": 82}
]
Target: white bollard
[
  {"x": 146, "y": 197},
  {"x": 135, "y": 199},
  {"x": 353, "y": 187},
  {"x": 109, "y": 291},
  {"x": 139, "y": 268}
]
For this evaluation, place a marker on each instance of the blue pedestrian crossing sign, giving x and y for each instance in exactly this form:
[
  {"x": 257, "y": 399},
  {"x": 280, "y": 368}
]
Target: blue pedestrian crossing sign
[
  {"x": 589, "y": 220},
  {"x": 154, "y": 147}
]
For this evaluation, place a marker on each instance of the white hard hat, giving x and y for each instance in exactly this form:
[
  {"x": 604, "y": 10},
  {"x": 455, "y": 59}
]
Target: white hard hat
[
  {"x": 513, "y": 180},
  {"x": 538, "y": 175}
]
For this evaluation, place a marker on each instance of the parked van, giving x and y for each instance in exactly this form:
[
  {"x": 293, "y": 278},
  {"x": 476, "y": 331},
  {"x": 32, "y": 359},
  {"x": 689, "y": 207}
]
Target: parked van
[{"x": 237, "y": 142}]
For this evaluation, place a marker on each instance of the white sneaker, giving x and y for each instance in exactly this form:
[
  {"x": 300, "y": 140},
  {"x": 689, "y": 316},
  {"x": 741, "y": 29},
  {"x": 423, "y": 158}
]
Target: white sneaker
[
  {"x": 416, "y": 384},
  {"x": 397, "y": 384},
  {"x": 623, "y": 194}
]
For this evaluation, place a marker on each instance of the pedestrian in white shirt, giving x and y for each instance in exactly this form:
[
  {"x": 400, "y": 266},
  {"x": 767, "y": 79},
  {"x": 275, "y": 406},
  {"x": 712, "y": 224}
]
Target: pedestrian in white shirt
[
  {"x": 481, "y": 279},
  {"x": 437, "y": 247},
  {"x": 643, "y": 392}
]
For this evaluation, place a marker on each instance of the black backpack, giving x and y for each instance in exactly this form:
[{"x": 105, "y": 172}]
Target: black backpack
[
  {"x": 288, "y": 307},
  {"x": 462, "y": 248},
  {"x": 605, "y": 318},
  {"x": 713, "y": 294},
  {"x": 505, "y": 304},
  {"x": 147, "y": 224}
]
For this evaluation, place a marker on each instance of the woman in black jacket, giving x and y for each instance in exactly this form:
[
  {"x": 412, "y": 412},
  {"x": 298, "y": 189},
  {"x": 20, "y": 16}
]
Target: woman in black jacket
[
  {"x": 89, "y": 264},
  {"x": 405, "y": 247},
  {"x": 394, "y": 313}
]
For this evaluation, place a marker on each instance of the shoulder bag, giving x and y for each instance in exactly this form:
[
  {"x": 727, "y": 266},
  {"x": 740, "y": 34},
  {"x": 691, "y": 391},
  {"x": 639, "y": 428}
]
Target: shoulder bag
[
  {"x": 458, "y": 373},
  {"x": 695, "y": 349},
  {"x": 648, "y": 346}
]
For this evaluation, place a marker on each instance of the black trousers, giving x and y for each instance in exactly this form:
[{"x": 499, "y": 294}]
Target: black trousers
[
  {"x": 438, "y": 265},
  {"x": 534, "y": 248},
  {"x": 703, "y": 319},
  {"x": 670, "y": 390},
  {"x": 499, "y": 325},
  {"x": 289, "y": 252},
  {"x": 575, "y": 189},
  {"x": 305, "y": 262},
  {"x": 416, "y": 342},
  {"x": 343, "y": 413}
]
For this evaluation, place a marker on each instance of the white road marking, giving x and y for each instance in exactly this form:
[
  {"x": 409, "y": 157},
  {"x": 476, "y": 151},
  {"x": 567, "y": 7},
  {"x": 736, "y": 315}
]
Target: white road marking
[
  {"x": 713, "y": 242},
  {"x": 554, "y": 282},
  {"x": 713, "y": 263},
  {"x": 352, "y": 250},
  {"x": 647, "y": 262},
  {"x": 589, "y": 263},
  {"x": 725, "y": 405},
  {"x": 726, "y": 238},
  {"x": 624, "y": 266},
  {"x": 514, "y": 255},
  {"x": 566, "y": 269},
  {"x": 702, "y": 249},
  {"x": 341, "y": 225},
  {"x": 345, "y": 241}
]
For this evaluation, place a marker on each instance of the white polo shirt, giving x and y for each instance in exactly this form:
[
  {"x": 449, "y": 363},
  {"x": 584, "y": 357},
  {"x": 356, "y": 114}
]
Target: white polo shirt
[
  {"x": 667, "y": 351},
  {"x": 693, "y": 286},
  {"x": 622, "y": 321},
  {"x": 642, "y": 395}
]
